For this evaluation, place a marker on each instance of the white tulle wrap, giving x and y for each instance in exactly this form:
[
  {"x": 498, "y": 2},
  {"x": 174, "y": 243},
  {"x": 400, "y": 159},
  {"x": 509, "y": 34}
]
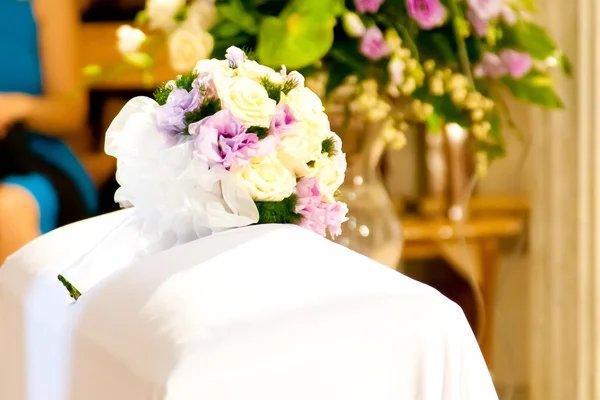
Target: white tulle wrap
[{"x": 175, "y": 196}]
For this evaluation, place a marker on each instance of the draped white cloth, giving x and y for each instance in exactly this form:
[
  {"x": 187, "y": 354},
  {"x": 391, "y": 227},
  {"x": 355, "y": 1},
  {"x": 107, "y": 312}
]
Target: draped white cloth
[{"x": 258, "y": 313}]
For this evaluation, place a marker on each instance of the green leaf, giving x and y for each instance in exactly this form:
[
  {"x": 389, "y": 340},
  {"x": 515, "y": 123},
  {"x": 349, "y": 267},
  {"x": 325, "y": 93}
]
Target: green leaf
[
  {"x": 141, "y": 18},
  {"x": 434, "y": 124},
  {"x": 235, "y": 12},
  {"x": 297, "y": 42},
  {"x": 565, "y": 65},
  {"x": 332, "y": 8},
  {"x": 534, "y": 88},
  {"x": 529, "y": 38},
  {"x": 225, "y": 29}
]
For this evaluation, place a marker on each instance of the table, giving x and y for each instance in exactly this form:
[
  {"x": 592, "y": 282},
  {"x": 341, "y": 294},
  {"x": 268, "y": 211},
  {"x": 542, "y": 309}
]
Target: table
[
  {"x": 248, "y": 313},
  {"x": 471, "y": 248}
]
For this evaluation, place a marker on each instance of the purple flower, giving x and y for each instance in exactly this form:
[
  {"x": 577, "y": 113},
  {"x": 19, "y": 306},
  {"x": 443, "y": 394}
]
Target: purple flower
[
  {"x": 283, "y": 121},
  {"x": 373, "y": 45},
  {"x": 480, "y": 25},
  {"x": 318, "y": 216},
  {"x": 428, "y": 13},
  {"x": 491, "y": 66},
  {"x": 222, "y": 140},
  {"x": 367, "y": 6},
  {"x": 205, "y": 85},
  {"x": 235, "y": 56},
  {"x": 517, "y": 63},
  {"x": 486, "y": 9},
  {"x": 170, "y": 117}
]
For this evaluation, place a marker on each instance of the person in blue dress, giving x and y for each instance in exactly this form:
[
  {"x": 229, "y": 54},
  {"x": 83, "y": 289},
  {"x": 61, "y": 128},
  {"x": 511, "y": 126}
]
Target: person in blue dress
[{"x": 41, "y": 92}]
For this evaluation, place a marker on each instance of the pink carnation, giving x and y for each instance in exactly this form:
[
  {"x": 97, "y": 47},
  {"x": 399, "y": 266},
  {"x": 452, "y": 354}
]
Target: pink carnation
[{"x": 317, "y": 215}]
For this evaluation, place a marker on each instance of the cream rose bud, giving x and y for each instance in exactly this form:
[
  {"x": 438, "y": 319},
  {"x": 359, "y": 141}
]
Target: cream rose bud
[
  {"x": 299, "y": 147},
  {"x": 129, "y": 39},
  {"x": 329, "y": 174},
  {"x": 214, "y": 66},
  {"x": 267, "y": 179},
  {"x": 252, "y": 70},
  {"x": 161, "y": 13},
  {"x": 307, "y": 106},
  {"x": 203, "y": 13},
  {"x": 246, "y": 99},
  {"x": 188, "y": 44}
]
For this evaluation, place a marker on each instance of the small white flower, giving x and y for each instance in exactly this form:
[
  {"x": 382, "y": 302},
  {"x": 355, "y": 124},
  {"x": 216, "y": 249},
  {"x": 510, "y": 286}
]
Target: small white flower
[
  {"x": 252, "y": 70},
  {"x": 353, "y": 25},
  {"x": 330, "y": 173},
  {"x": 307, "y": 106},
  {"x": 396, "y": 69},
  {"x": 301, "y": 146},
  {"x": 129, "y": 39},
  {"x": 188, "y": 44},
  {"x": 161, "y": 13},
  {"x": 214, "y": 66},
  {"x": 267, "y": 179}
]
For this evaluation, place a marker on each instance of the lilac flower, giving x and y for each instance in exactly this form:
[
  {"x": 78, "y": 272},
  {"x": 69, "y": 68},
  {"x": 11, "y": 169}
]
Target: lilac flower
[
  {"x": 518, "y": 64},
  {"x": 480, "y": 25},
  {"x": 170, "y": 117},
  {"x": 297, "y": 78},
  {"x": 222, "y": 140},
  {"x": 370, "y": 6},
  {"x": 318, "y": 216},
  {"x": 205, "y": 85},
  {"x": 235, "y": 56},
  {"x": 486, "y": 9},
  {"x": 491, "y": 66},
  {"x": 373, "y": 45},
  {"x": 428, "y": 13},
  {"x": 283, "y": 121}
]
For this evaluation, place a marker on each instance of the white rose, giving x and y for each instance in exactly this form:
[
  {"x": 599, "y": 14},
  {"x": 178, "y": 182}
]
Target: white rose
[
  {"x": 214, "y": 66},
  {"x": 161, "y": 13},
  {"x": 129, "y": 39},
  {"x": 299, "y": 147},
  {"x": 307, "y": 106},
  {"x": 246, "y": 99},
  {"x": 188, "y": 44},
  {"x": 267, "y": 179},
  {"x": 253, "y": 70},
  {"x": 203, "y": 13},
  {"x": 330, "y": 174}
]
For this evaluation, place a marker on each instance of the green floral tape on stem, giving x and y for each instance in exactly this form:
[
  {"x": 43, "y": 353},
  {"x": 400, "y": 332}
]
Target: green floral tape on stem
[{"x": 73, "y": 292}]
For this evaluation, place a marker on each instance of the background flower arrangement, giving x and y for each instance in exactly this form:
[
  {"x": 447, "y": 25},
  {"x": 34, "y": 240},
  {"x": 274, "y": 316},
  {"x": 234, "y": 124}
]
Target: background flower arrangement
[{"x": 436, "y": 61}]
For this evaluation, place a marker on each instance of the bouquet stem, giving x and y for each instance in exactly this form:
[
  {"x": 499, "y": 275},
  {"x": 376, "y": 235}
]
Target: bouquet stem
[{"x": 73, "y": 292}]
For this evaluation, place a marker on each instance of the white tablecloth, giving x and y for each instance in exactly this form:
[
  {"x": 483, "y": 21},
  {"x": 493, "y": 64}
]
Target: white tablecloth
[{"x": 258, "y": 313}]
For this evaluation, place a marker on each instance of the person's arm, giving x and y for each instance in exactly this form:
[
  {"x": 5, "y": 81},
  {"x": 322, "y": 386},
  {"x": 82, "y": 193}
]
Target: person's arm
[{"x": 62, "y": 109}]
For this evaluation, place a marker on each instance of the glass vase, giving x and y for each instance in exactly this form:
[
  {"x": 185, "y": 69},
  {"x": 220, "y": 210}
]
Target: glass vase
[{"x": 373, "y": 228}]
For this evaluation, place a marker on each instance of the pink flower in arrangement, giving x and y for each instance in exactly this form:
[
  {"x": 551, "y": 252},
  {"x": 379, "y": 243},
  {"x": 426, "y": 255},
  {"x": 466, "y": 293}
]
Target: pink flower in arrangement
[
  {"x": 318, "y": 216},
  {"x": 428, "y": 13},
  {"x": 517, "y": 63},
  {"x": 480, "y": 25},
  {"x": 486, "y": 9},
  {"x": 373, "y": 45},
  {"x": 283, "y": 121},
  {"x": 491, "y": 66},
  {"x": 222, "y": 140},
  {"x": 367, "y": 6}
]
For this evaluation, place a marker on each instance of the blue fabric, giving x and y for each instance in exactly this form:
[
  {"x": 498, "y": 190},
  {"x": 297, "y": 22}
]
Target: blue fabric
[
  {"x": 43, "y": 191},
  {"x": 23, "y": 75}
]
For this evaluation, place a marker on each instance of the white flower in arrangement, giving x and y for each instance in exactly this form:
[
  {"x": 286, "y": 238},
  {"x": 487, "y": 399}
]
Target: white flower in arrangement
[
  {"x": 267, "y": 179},
  {"x": 202, "y": 13},
  {"x": 246, "y": 99},
  {"x": 353, "y": 25},
  {"x": 187, "y": 44},
  {"x": 232, "y": 144},
  {"x": 129, "y": 39},
  {"x": 161, "y": 13}
]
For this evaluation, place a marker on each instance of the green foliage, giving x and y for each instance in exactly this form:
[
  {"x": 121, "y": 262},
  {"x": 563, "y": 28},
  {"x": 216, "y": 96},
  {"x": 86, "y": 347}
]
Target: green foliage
[
  {"x": 328, "y": 147},
  {"x": 278, "y": 212},
  {"x": 297, "y": 41},
  {"x": 261, "y": 131},
  {"x": 181, "y": 15},
  {"x": 236, "y": 13},
  {"x": 161, "y": 94},
  {"x": 73, "y": 292},
  {"x": 207, "y": 108},
  {"x": 185, "y": 81},
  {"x": 527, "y": 37},
  {"x": 274, "y": 90},
  {"x": 535, "y": 88}
]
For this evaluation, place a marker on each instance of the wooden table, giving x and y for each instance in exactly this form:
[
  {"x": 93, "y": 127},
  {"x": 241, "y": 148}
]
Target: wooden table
[{"x": 472, "y": 249}]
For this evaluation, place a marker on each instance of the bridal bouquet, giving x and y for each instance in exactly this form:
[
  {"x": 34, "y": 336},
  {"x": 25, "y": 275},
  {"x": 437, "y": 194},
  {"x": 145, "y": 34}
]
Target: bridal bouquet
[{"x": 231, "y": 144}]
